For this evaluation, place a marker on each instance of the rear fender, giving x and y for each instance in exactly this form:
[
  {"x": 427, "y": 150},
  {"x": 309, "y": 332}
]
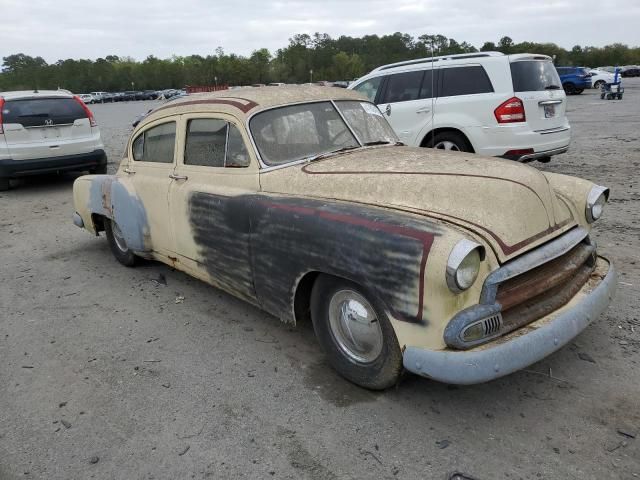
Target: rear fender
[{"x": 112, "y": 198}]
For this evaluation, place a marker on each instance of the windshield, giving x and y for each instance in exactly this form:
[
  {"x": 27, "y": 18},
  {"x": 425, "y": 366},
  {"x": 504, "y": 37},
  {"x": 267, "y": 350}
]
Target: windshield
[
  {"x": 305, "y": 131},
  {"x": 534, "y": 76}
]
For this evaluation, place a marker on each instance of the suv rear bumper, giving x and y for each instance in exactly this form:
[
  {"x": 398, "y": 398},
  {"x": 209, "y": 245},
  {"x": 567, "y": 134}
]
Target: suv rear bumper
[
  {"x": 21, "y": 168},
  {"x": 489, "y": 361},
  {"x": 536, "y": 155}
]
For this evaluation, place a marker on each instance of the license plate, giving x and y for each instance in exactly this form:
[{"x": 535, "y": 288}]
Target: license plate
[
  {"x": 50, "y": 132},
  {"x": 549, "y": 111}
]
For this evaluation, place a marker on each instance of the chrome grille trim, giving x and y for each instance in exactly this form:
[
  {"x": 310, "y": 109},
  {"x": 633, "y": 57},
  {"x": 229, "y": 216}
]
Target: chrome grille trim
[{"x": 539, "y": 256}]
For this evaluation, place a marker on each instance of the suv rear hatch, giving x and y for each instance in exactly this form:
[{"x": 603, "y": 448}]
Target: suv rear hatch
[
  {"x": 46, "y": 127},
  {"x": 537, "y": 84}
]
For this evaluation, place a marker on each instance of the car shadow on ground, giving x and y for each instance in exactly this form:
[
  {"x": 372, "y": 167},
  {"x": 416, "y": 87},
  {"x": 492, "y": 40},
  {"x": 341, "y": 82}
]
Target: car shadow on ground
[{"x": 51, "y": 182}]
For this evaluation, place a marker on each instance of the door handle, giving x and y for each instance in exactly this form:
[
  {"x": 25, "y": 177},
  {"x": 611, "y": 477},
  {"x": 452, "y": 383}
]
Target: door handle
[
  {"x": 423, "y": 110},
  {"x": 126, "y": 170},
  {"x": 388, "y": 110},
  {"x": 178, "y": 177}
]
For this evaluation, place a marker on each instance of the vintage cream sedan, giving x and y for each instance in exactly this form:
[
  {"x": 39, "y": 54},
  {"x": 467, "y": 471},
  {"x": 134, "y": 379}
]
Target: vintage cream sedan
[{"x": 301, "y": 201}]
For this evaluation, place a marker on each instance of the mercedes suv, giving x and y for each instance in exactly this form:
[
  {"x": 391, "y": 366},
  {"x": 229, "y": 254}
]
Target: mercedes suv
[{"x": 510, "y": 106}]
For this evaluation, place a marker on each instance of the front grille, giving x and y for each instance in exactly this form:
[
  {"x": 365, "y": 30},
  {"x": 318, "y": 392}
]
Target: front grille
[{"x": 538, "y": 292}]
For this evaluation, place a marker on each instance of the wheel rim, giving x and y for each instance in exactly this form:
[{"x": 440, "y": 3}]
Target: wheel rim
[
  {"x": 447, "y": 145},
  {"x": 118, "y": 237},
  {"x": 355, "y": 326}
]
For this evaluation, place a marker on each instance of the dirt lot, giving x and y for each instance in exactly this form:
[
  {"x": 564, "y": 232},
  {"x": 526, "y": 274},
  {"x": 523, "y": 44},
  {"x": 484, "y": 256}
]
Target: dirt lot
[{"x": 105, "y": 375}]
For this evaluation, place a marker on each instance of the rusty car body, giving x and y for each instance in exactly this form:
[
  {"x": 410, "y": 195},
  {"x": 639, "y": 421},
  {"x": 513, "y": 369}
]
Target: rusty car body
[{"x": 301, "y": 201}]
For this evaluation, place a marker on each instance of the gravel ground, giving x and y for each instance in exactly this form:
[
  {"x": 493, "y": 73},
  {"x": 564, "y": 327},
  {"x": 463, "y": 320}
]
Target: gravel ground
[{"x": 106, "y": 375}]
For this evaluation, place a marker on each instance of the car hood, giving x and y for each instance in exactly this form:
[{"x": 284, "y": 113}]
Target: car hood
[{"x": 510, "y": 205}]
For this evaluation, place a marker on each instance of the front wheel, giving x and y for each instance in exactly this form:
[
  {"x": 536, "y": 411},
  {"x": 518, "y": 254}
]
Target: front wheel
[
  {"x": 118, "y": 244},
  {"x": 355, "y": 333}
]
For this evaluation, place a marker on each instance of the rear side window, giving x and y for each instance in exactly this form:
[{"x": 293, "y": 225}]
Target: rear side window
[
  {"x": 156, "y": 144},
  {"x": 465, "y": 81},
  {"x": 403, "y": 87},
  {"x": 37, "y": 112},
  {"x": 369, "y": 88},
  {"x": 534, "y": 76}
]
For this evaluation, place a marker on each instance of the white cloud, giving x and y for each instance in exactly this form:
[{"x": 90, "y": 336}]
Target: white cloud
[{"x": 75, "y": 29}]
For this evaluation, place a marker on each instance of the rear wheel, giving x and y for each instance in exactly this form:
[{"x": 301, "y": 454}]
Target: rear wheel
[
  {"x": 569, "y": 88},
  {"x": 451, "y": 141},
  {"x": 355, "y": 333},
  {"x": 598, "y": 84},
  {"x": 578, "y": 91},
  {"x": 118, "y": 244}
]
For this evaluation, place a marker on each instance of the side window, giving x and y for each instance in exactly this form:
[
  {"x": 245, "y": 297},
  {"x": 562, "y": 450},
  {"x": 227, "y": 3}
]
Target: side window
[
  {"x": 206, "y": 142},
  {"x": 403, "y": 87},
  {"x": 465, "y": 81},
  {"x": 212, "y": 142},
  {"x": 156, "y": 144},
  {"x": 237, "y": 154},
  {"x": 428, "y": 84},
  {"x": 369, "y": 88}
]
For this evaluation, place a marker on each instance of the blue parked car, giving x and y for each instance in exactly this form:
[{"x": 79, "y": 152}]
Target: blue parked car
[{"x": 574, "y": 79}]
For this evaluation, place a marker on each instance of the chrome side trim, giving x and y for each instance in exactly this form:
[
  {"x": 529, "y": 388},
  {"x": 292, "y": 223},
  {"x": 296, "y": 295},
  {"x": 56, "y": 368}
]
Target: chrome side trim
[{"x": 539, "y": 256}]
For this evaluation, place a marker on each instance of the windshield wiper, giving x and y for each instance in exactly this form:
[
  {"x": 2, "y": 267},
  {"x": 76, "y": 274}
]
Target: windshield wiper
[
  {"x": 332, "y": 152},
  {"x": 552, "y": 87},
  {"x": 381, "y": 142}
]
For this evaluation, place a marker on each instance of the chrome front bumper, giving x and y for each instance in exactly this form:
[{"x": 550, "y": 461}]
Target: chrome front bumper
[{"x": 489, "y": 362}]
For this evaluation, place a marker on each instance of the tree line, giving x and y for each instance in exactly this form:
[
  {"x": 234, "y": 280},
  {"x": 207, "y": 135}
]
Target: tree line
[{"x": 306, "y": 58}]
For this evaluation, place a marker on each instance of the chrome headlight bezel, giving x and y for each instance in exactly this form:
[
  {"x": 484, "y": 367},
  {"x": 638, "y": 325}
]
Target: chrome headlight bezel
[
  {"x": 597, "y": 198},
  {"x": 464, "y": 251}
]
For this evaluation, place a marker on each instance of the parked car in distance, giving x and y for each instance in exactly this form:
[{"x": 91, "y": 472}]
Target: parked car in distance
[
  {"x": 631, "y": 72},
  {"x": 129, "y": 95},
  {"x": 574, "y": 79},
  {"x": 86, "y": 98},
  {"x": 300, "y": 200},
  {"x": 47, "y": 132},
  {"x": 600, "y": 77},
  {"x": 488, "y": 103},
  {"x": 98, "y": 96}
]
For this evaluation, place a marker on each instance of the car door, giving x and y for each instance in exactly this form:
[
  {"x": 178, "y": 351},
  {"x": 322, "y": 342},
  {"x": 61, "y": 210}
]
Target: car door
[
  {"x": 406, "y": 100},
  {"x": 152, "y": 156},
  {"x": 211, "y": 198}
]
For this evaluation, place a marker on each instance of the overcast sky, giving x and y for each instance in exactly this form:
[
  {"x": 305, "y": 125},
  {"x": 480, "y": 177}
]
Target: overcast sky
[{"x": 63, "y": 29}]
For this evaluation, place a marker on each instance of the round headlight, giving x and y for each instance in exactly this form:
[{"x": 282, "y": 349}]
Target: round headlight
[
  {"x": 463, "y": 265},
  {"x": 596, "y": 199}
]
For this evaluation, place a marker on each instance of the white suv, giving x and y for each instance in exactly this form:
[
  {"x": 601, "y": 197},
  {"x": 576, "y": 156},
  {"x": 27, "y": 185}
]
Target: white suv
[
  {"x": 47, "y": 131},
  {"x": 510, "y": 106}
]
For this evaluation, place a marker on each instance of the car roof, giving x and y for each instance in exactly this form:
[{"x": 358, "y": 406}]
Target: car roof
[
  {"x": 243, "y": 102},
  {"x": 35, "y": 94}
]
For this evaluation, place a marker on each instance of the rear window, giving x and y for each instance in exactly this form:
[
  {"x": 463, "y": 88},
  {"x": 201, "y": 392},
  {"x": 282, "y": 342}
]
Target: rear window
[
  {"x": 36, "y": 112},
  {"x": 465, "y": 81},
  {"x": 534, "y": 76}
]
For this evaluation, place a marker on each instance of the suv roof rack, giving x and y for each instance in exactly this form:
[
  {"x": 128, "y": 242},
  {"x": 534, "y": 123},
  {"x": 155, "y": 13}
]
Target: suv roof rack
[{"x": 438, "y": 59}]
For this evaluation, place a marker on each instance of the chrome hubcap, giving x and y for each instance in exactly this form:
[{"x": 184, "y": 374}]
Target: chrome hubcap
[
  {"x": 355, "y": 326},
  {"x": 447, "y": 145},
  {"x": 118, "y": 236}
]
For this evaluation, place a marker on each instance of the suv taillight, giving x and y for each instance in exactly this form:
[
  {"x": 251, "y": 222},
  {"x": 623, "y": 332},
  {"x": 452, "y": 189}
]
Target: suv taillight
[
  {"x": 92, "y": 120},
  {"x": 510, "y": 111},
  {"x": 1, "y": 108}
]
